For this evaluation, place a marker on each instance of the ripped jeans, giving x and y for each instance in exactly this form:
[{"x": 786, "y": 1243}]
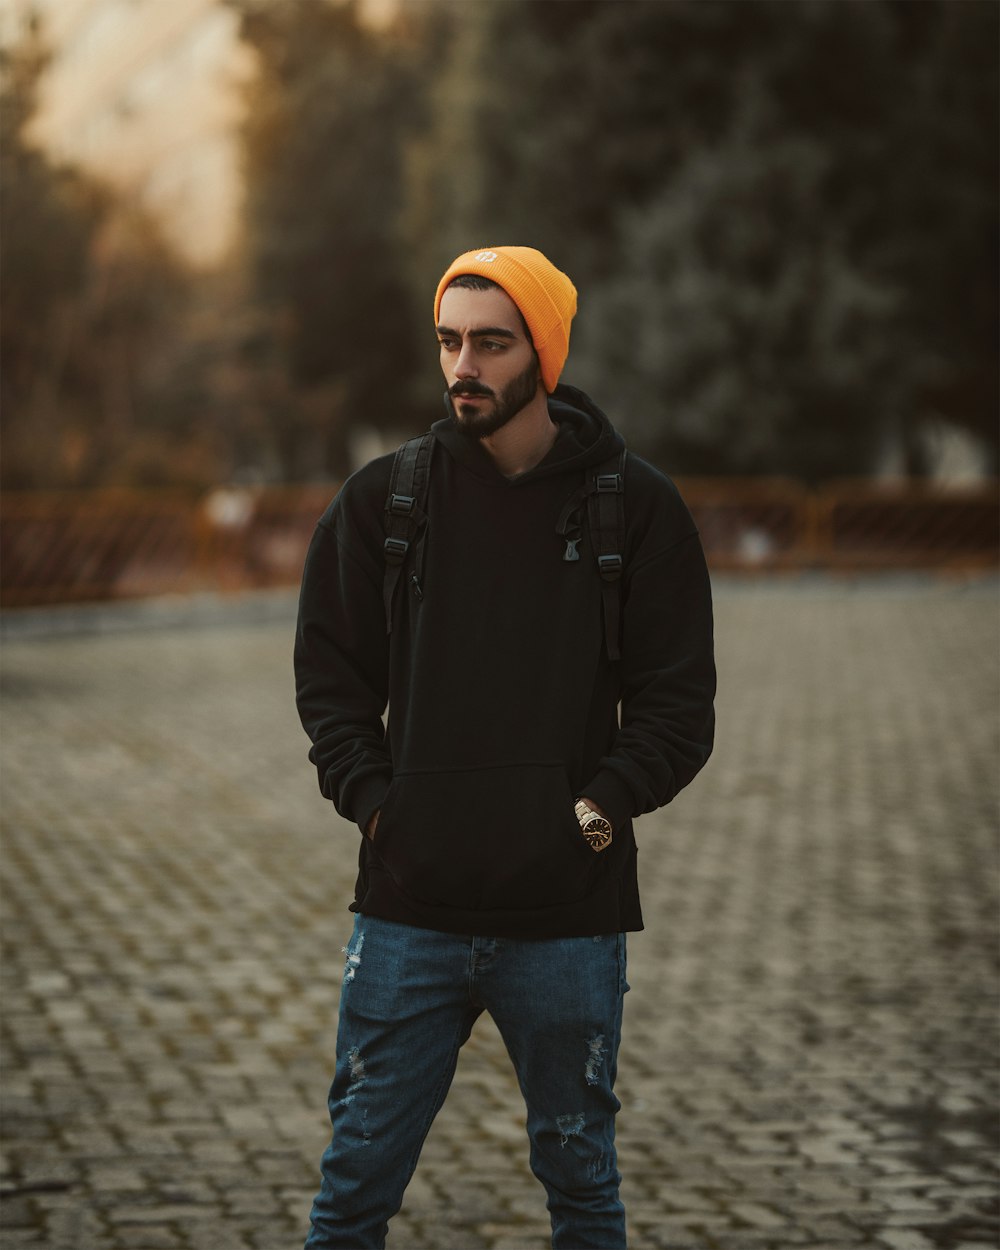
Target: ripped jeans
[{"x": 409, "y": 1000}]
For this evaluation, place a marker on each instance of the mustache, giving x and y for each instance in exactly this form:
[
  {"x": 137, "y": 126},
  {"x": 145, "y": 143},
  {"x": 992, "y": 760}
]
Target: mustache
[{"x": 470, "y": 388}]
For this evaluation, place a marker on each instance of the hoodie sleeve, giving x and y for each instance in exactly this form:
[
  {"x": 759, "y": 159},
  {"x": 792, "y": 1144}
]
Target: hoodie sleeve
[
  {"x": 667, "y": 669},
  {"x": 342, "y": 654}
]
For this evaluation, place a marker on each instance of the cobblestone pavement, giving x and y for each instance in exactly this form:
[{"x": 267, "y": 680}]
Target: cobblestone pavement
[{"x": 810, "y": 1056}]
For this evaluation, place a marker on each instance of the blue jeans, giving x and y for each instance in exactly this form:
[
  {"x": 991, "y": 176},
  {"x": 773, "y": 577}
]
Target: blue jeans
[{"x": 409, "y": 1000}]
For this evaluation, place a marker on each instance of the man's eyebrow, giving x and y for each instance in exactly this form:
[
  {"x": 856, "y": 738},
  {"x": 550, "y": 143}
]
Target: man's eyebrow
[{"x": 492, "y": 332}]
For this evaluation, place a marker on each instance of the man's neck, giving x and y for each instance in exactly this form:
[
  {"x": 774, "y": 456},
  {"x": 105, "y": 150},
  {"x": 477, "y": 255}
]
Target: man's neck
[{"x": 525, "y": 440}]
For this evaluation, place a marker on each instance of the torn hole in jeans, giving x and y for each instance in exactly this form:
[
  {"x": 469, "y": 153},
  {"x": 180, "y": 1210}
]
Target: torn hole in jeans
[{"x": 569, "y": 1126}]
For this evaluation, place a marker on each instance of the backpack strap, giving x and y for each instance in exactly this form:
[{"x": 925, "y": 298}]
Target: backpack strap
[
  {"x": 405, "y": 517},
  {"x": 606, "y": 518}
]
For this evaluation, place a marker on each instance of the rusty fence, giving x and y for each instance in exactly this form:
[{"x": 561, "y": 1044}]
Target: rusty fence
[{"x": 86, "y": 546}]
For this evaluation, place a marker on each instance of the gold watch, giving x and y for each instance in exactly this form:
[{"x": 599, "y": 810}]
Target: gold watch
[{"x": 594, "y": 827}]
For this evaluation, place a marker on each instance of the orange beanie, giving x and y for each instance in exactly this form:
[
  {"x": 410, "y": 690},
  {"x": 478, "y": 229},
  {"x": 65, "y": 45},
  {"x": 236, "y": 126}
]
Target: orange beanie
[{"x": 543, "y": 293}]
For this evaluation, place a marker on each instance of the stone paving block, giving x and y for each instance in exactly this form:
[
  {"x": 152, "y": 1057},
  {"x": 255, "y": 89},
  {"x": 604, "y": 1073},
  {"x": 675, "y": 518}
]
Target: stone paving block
[
  {"x": 512, "y": 1241},
  {"x": 811, "y": 1037},
  {"x": 119, "y": 1179},
  {"x": 226, "y": 1237},
  {"x": 162, "y": 1239},
  {"x": 760, "y": 1240},
  {"x": 826, "y": 1227},
  {"x": 902, "y": 1239},
  {"x": 758, "y": 1215}
]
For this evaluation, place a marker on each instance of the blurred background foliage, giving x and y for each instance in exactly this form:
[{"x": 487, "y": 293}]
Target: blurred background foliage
[{"x": 781, "y": 218}]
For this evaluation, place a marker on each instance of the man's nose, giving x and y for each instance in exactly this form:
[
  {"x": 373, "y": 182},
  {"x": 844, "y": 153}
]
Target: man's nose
[{"x": 465, "y": 365}]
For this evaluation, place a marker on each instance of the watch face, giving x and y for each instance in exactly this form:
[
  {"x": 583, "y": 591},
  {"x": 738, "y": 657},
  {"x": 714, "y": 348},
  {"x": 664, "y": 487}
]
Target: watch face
[{"x": 597, "y": 831}]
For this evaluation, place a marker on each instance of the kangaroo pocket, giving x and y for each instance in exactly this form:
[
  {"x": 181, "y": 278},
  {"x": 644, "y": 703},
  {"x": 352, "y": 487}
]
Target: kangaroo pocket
[{"x": 499, "y": 838}]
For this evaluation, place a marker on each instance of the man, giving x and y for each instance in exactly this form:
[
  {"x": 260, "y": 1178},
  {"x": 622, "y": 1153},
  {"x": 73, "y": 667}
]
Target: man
[{"x": 498, "y": 862}]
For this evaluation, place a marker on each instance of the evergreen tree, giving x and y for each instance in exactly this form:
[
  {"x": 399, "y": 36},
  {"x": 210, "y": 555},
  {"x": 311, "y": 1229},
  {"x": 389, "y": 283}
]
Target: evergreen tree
[
  {"x": 48, "y": 217},
  {"x": 323, "y": 161},
  {"x": 87, "y": 290},
  {"x": 782, "y": 218}
]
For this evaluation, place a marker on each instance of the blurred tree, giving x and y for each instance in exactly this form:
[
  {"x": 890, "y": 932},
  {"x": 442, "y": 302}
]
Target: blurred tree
[
  {"x": 930, "y": 224},
  {"x": 47, "y": 219},
  {"x": 740, "y": 333},
  {"x": 552, "y": 118},
  {"x": 781, "y": 218},
  {"x": 87, "y": 289},
  {"x": 445, "y": 171},
  {"x": 323, "y": 157},
  {"x": 154, "y": 424}
]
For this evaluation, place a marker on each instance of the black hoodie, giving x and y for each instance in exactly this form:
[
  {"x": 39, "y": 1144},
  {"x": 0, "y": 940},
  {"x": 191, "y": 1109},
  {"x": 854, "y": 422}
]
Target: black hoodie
[{"x": 503, "y": 704}]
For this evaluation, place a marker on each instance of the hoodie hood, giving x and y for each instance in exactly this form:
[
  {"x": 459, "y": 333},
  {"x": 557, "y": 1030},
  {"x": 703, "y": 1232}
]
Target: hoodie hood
[{"x": 585, "y": 437}]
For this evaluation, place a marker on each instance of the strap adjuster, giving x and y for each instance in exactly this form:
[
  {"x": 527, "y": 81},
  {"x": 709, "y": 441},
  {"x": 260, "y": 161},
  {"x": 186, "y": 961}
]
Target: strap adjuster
[
  {"x": 402, "y": 505},
  {"x": 610, "y": 567},
  {"x": 396, "y": 549},
  {"x": 609, "y": 483}
]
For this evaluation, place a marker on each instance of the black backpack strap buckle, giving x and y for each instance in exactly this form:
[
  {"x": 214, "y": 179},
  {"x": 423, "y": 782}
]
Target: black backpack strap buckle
[
  {"x": 606, "y": 517},
  {"x": 396, "y": 549},
  {"x": 405, "y": 517}
]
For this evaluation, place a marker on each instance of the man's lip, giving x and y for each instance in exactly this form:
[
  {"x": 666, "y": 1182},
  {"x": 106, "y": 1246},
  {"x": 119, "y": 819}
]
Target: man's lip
[{"x": 467, "y": 395}]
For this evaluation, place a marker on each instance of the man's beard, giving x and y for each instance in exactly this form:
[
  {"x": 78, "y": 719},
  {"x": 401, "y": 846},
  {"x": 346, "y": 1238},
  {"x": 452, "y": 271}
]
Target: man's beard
[{"x": 474, "y": 422}]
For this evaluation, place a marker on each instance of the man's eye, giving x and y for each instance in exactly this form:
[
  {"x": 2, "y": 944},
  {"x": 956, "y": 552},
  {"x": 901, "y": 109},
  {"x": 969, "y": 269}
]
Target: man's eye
[
  {"x": 448, "y": 344},
  {"x": 491, "y": 345}
]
